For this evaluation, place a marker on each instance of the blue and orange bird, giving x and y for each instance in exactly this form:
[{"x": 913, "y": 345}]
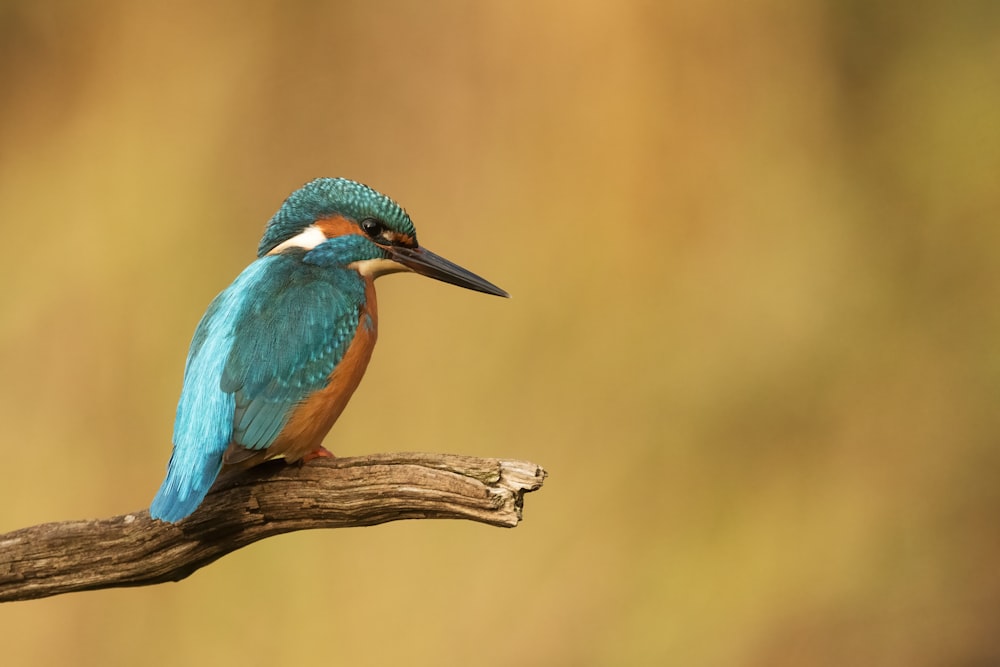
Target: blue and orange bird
[{"x": 278, "y": 354}]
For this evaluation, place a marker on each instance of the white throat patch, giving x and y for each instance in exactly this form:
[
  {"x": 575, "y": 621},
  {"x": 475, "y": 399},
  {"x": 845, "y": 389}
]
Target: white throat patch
[{"x": 373, "y": 268}]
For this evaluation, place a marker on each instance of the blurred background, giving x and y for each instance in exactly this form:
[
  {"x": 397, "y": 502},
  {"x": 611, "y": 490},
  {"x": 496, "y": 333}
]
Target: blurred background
[{"x": 754, "y": 253}]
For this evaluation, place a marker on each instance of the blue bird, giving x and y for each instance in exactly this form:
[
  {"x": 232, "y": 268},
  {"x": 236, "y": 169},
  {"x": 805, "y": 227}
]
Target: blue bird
[{"x": 278, "y": 354}]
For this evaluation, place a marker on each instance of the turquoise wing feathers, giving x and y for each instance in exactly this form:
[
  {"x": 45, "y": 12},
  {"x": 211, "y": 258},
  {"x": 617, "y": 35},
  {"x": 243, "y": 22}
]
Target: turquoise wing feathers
[
  {"x": 264, "y": 345},
  {"x": 299, "y": 336}
]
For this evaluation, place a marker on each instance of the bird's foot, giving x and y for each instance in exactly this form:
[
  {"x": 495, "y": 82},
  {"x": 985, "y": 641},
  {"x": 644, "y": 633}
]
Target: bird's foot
[{"x": 318, "y": 453}]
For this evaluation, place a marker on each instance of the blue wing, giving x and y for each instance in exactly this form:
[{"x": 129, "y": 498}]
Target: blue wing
[
  {"x": 286, "y": 348},
  {"x": 265, "y": 344}
]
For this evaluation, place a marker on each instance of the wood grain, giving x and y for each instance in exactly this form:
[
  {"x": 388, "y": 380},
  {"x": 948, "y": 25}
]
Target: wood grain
[{"x": 271, "y": 499}]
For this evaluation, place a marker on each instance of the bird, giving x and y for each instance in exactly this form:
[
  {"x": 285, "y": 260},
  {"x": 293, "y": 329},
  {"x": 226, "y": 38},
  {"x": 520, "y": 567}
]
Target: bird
[{"x": 278, "y": 354}]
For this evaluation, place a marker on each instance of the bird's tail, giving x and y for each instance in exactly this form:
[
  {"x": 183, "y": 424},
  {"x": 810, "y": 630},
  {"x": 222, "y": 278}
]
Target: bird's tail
[{"x": 184, "y": 488}]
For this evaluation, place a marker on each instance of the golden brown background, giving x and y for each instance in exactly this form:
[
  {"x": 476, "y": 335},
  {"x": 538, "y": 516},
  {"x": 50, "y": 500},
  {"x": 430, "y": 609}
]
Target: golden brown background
[{"x": 754, "y": 253}]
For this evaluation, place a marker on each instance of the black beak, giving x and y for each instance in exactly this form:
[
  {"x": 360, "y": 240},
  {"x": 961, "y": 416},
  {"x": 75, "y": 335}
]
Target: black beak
[{"x": 426, "y": 263}]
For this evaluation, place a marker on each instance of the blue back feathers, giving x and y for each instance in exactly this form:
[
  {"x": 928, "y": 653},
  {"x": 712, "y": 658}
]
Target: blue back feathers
[
  {"x": 203, "y": 425},
  {"x": 327, "y": 197}
]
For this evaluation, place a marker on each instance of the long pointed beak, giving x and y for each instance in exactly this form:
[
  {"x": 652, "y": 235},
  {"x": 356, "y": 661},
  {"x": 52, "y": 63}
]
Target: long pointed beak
[{"x": 426, "y": 263}]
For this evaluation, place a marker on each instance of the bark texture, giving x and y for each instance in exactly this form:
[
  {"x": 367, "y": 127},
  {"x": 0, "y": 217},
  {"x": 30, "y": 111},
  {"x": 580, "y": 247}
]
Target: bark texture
[{"x": 134, "y": 550}]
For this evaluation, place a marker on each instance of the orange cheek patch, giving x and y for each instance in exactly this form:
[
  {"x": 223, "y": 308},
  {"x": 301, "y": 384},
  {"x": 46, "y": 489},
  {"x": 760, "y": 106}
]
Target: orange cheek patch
[{"x": 337, "y": 226}]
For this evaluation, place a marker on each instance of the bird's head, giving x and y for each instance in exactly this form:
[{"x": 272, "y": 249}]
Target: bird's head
[{"x": 355, "y": 226}]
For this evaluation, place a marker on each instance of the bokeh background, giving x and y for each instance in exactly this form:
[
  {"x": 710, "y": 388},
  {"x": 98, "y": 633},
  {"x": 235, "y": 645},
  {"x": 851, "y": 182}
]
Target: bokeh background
[{"x": 754, "y": 253}]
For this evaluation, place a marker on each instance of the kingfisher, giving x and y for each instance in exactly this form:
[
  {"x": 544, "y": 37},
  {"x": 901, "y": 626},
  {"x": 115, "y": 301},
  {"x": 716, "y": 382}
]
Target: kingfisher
[{"x": 278, "y": 354}]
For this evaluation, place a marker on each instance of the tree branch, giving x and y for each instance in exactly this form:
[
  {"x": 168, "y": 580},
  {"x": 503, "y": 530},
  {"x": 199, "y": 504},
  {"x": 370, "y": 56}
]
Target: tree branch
[{"x": 134, "y": 550}]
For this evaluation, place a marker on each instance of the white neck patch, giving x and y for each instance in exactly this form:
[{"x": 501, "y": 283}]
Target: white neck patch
[{"x": 308, "y": 238}]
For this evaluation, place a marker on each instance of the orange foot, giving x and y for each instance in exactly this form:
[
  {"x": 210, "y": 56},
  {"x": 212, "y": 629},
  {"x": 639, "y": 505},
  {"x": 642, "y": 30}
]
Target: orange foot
[{"x": 320, "y": 453}]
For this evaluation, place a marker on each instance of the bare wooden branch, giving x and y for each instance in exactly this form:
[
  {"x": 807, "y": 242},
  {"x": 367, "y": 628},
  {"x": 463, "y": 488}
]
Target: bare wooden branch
[{"x": 134, "y": 550}]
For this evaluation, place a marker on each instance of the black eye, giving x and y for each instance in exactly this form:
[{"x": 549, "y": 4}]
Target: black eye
[{"x": 372, "y": 228}]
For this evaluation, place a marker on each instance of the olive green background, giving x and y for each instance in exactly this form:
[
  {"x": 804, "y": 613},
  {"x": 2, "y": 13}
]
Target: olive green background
[{"x": 754, "y": 253}]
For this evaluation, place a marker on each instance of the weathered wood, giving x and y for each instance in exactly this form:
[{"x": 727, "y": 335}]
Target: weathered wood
[{"x": 134, "y": 550}]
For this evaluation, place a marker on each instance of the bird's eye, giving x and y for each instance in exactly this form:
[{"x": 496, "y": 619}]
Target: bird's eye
[{"x": 372, "y": 228}]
